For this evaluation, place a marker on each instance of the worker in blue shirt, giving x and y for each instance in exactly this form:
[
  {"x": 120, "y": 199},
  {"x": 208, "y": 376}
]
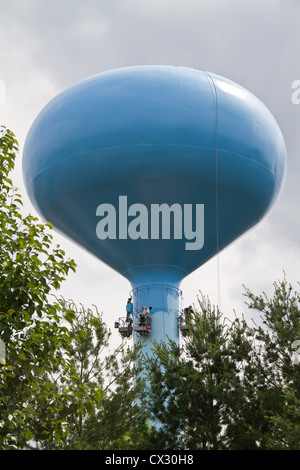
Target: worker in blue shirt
[{"x": 129, "y": 310}]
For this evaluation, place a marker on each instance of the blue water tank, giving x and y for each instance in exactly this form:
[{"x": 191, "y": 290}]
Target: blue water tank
[
  {"x": 154, "y": 170},
  {"x": 140, "y": 137}
]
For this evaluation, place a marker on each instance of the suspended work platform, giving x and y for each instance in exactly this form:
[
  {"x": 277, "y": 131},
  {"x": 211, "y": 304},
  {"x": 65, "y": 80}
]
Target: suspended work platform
[
  {"x": 125, "y": 327},
  {"x": 141, "y": 323},
  {"x": 184, "y": 320},
  {"x": 184, "y": 329}
]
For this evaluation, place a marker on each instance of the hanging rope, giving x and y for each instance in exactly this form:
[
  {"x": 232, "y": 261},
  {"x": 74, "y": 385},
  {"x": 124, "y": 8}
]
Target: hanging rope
[
  {"x": 217, "y": 188},
  {"x": 164, "y": 326}
]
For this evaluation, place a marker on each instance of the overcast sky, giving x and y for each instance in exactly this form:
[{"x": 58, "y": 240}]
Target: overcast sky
[{"x": 46, "y": 46}]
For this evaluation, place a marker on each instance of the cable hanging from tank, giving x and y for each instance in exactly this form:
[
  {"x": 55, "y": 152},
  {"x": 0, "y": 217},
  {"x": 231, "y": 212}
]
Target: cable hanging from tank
[{"x": 217, "y": 188}]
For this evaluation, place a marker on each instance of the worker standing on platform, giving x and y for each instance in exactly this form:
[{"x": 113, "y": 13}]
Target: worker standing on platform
[
  {"x": 129, "y": 310},
  {"x": 188, "y": 312}
]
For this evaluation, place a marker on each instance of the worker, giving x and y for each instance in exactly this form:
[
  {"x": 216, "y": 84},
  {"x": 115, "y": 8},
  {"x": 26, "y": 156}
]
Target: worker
[
  {"x": 145, "y": 317},
  {"x": 129, "y": 311},
  {"x": 188, "y": 313}
]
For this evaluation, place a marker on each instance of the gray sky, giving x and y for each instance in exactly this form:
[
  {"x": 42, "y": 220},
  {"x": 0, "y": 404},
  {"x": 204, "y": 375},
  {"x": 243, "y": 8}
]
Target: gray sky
[{"x": 46, "y": 46}]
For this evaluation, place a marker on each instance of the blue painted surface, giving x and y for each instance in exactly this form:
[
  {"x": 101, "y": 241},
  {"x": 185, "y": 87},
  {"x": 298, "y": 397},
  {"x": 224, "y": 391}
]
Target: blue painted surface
[
  {"x": 154, "y": 134},
  {"x": 164, "y": 300}
]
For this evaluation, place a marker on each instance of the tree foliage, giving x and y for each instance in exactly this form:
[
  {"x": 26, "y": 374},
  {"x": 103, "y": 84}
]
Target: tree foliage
[
  {"x": 110, "y": 417},
  {"x": 231, "y": 386},
  {"x": 30, "y": 268}
]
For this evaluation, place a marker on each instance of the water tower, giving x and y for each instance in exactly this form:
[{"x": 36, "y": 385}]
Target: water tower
[{"x": 154, "y": 170}]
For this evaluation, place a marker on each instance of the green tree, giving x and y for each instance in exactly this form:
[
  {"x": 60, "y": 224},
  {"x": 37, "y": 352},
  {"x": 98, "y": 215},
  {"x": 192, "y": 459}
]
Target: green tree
[
  {"x": 194, "y": 391},
  {"x": 277, "y": 390},
  {"x": 30, "y": 268},
  {"x": 109, "y": 417},
  {"x": 119, "y": 422},
  {"x": 231, "y": 386}
]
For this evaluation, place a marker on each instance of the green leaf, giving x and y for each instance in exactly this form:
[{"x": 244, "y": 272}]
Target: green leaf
[{"x": 29, "y": 435}]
